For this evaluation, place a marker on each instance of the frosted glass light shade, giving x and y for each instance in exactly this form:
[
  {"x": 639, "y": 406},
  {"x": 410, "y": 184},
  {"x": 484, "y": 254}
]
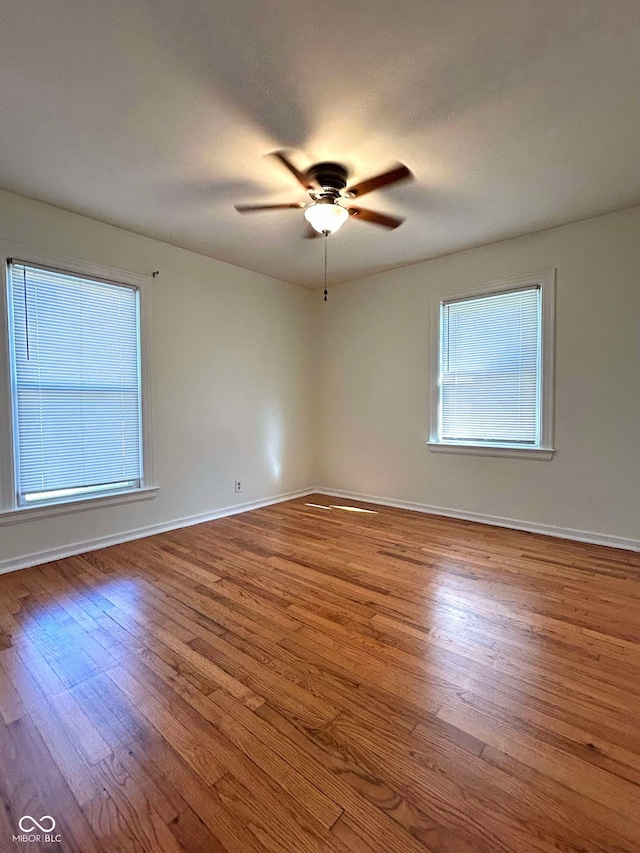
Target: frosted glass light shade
[{"x": 326, "y": 217}]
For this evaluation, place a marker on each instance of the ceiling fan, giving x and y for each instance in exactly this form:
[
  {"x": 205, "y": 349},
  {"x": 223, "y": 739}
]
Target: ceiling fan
[{"x": 326, "y": 184}]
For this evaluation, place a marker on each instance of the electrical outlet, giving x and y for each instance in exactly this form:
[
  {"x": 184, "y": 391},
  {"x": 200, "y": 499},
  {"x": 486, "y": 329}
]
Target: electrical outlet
[{"x": 237, "y": 485}]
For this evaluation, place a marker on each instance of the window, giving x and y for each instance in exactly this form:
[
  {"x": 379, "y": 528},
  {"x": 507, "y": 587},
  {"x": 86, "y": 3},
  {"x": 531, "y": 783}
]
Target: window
[
  {"x": 493, "y": 389},
  {"x": 76, "y": 387}
]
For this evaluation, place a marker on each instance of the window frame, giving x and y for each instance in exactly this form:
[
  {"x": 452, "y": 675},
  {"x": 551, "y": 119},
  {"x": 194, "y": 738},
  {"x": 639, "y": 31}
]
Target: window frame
[
  {"x": 11, "y": 511},
  {"x": 544, "y": 449}
]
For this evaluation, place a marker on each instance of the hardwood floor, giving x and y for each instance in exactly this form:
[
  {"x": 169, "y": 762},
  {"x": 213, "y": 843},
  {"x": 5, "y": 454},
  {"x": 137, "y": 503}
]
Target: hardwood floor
[{"x": 303, "y": 678}]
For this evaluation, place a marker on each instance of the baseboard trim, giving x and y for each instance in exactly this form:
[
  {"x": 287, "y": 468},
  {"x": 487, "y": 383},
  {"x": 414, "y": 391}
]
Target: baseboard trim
[
  {"x": 46, "y": 556},
  {"x": 495, "y": 520}
]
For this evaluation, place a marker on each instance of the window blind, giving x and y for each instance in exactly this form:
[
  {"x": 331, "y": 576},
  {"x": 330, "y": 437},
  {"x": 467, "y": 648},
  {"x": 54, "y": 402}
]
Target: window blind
[
  {"x": 76, "y": 380},
  {"x": 490, "y": 368}
]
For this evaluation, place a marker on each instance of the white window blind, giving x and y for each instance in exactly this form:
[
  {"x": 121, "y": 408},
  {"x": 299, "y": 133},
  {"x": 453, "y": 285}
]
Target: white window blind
[
  {"x": 76, "y": 384},
  {"x": 491, "y": 369}
]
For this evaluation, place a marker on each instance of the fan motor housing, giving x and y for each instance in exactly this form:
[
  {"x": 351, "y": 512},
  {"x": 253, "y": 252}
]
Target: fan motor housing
[{"x": 332, "y": 175}]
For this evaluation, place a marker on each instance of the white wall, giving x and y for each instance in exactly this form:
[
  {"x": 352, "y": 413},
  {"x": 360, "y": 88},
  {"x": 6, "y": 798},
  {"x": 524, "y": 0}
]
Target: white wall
[
  {"x": 231, "y": 363},
  {"x": 375, "y": 397}
]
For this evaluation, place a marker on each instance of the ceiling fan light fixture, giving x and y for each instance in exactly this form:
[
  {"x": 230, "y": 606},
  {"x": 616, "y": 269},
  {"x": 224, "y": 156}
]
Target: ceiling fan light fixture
[{"x": 326, "y": 216}]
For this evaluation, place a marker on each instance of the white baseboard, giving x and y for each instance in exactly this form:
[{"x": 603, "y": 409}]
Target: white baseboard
[
  {"x": 49, "y": 554},
  {"x": 495, "y": 520}
]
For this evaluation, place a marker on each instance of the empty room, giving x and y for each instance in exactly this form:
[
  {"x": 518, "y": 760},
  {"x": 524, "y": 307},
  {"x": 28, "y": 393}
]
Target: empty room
[{"x": 319, "y": 426}]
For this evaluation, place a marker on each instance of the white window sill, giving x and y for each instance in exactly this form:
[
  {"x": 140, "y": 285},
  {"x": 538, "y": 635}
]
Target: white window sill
[
  {"x": 506, "y": 450},
  {"x": 34, "y": 513}
]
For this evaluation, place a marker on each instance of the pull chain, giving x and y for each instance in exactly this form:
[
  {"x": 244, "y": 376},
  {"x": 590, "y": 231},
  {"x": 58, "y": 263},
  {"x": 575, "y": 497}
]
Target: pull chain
[{"x": 326, "y": 292}]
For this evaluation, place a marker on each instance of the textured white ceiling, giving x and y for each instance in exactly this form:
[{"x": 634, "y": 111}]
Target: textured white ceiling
[{"x": 155, "y": 115}]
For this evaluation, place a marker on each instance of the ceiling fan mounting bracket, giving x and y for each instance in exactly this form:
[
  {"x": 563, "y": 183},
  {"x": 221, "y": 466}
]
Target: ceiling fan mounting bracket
[
  {"x": 329, "y": 176},
  {"x": 325, "y": 195}
]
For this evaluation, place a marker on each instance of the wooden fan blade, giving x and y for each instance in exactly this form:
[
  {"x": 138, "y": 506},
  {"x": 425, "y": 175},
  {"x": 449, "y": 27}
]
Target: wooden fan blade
[
  {"x": 252, "y": 208},
  {"x": 300, "y": 177},
  {"x": 375, "y": 217},
  {"x": 398, "y": 173}
]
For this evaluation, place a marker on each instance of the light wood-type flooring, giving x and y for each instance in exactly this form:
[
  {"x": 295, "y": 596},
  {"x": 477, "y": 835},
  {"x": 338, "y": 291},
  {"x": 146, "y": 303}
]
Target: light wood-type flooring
[{"x": 308, "y": 678}]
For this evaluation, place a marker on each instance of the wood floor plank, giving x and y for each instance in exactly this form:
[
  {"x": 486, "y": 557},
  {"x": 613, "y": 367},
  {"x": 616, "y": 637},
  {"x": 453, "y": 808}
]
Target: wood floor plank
[
  {"x": 205, "y": 811},
  {"x": 131, "y": 801},
  {"x": 11, "y": 707},
  {"x": 193, "y": 750},
  {"x": 278, "y": 826},
  {"x": 51, "y": 793},
  {"x": 257, "y": 757},
  {"x": 264, "y": 681},
  {"x": 575, "y": 773},
  {"x": 70, "y": 761},
  {"x": 305, "y": 678},
  {"x": 112, "y": 827},
  {"x": 332, "y": 682}
]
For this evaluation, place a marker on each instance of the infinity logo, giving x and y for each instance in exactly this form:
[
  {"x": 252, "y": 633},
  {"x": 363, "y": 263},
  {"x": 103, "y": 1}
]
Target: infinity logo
[{"x": 28, "y": 823}]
